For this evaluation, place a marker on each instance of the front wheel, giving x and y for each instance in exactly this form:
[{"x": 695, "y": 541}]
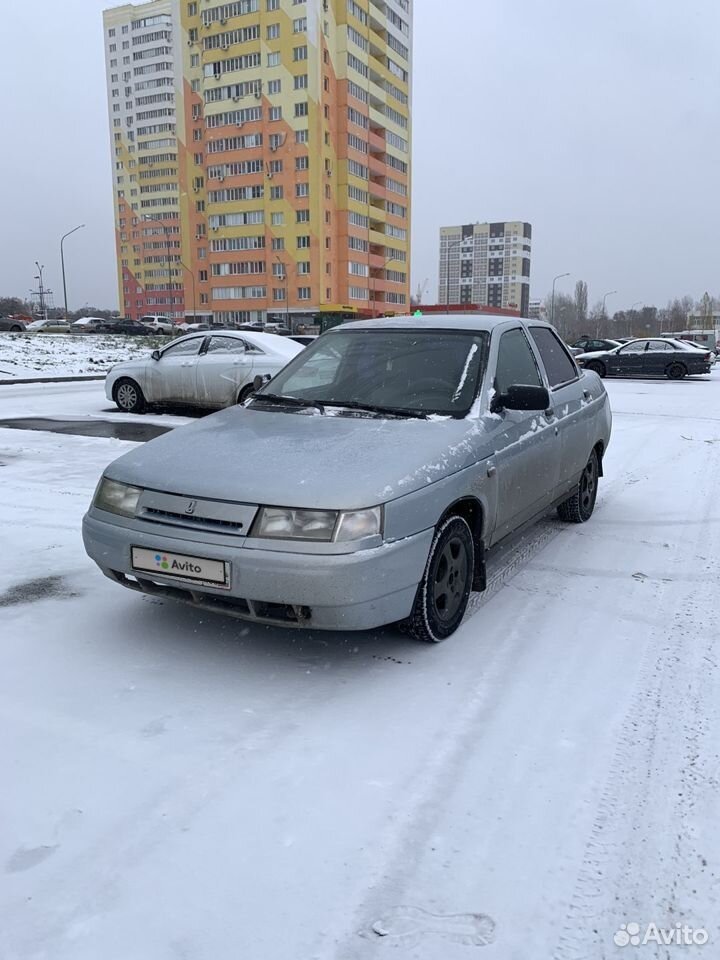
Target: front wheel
[
  {"x": 245, "y": 393},
  {"x": 443, "y": 593},
  {"x": 128, "y": 396},
  {"x": 579, "y": 507},
  {"x": 596, "y": 367},
  {"x": 676, "y": 371}
]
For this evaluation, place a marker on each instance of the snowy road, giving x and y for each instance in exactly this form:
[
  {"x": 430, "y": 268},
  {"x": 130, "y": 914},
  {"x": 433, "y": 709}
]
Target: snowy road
[{"x": 178, "y": 786}]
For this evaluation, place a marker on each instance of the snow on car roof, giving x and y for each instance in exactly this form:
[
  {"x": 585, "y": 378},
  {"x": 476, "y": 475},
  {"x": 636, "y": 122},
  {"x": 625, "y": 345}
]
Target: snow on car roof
[
  {"x": 446, "y": 321},
  {"x": 268, "y": 342}
]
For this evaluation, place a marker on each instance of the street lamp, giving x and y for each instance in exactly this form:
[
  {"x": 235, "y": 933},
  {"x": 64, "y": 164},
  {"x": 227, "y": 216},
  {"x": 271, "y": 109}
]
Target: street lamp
[
  {"x": 638, "y": 303},
  {"x": 604, "y": 311},
  {"x": 192, "y": 277},
  {"x": 374, "y": 289},
  {"x": 284, "y": 276},
  {"x": 41, "y": 289},
  {"x": 149, "y": 216},
  {"x": 552, "y": 302},
  {"x": 62, "y": 262}
]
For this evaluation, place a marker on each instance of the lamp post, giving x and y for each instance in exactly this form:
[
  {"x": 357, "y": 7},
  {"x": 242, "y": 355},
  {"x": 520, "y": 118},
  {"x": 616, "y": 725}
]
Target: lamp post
[
  {"x": 192, "y": 277},
  {"x": 374, "y": 288},
  {"x": 284, "y": 276},
  {"x": 41, "y": 290},
  {"x": 451, "y": 246},
  {"x": 62, "y": 262},
  {"x": 552, "y": 301},
  {"x": 149, "y": 216},
  {"x": 604, "y": 311},
  {"x": 638, "y": 303}
]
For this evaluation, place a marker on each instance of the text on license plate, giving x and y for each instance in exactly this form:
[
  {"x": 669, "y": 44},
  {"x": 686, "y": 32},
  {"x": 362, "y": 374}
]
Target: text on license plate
[{"x": 197, "y": 569}]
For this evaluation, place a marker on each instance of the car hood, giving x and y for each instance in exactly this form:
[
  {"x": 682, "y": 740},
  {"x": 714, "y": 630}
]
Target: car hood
[{"x": 299, "y": 460}]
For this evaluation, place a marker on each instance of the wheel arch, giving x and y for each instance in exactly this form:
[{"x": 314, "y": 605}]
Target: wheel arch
[{"x": 474, "y": 514}]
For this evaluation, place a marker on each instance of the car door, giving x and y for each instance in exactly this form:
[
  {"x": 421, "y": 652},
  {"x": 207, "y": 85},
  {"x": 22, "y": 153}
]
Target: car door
[
  {"x": 658, "y": 357},
  {"x": 173, "y": 376},
  {"x": 571, "y": 399},
  {"x": 225, "y": 366},
  {"x": 627, "y": 360},
  {"x": 526, "y": 443}
]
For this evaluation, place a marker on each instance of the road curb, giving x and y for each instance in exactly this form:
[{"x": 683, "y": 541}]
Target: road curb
[{"x": 100, "y": 376}]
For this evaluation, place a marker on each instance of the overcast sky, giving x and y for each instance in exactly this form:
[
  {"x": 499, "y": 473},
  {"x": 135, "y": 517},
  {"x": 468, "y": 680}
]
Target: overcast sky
[{"x": 596, "y": 120}]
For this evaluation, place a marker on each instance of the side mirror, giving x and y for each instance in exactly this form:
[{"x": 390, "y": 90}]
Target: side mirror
[
  {"x": 260, "y": 380},
  {"x": 521, "y": 396},
  {"x": 155, "y": 354}
]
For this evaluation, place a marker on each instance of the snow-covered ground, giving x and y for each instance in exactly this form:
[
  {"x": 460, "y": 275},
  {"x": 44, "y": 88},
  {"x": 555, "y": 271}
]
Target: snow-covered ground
[
  {"x": 26, "y": 355},
  {"x": 180, "y": 786}
]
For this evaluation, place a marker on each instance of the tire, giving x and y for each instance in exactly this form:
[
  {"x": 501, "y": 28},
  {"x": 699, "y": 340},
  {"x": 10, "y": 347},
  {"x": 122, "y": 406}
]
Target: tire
[
  {"x": 16, "y": 329},
  {"x": 128, "y": 396},
  {"x": 443, "y": 593},
  {"x": 676, "y": 371},
  {"x": 579, "y": 507},
  {"x": 245, "y": 393},
  {"x": 597, "y": 367}
]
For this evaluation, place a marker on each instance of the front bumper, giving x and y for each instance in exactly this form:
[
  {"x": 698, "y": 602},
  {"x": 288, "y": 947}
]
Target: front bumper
[{"x": 352, "y": 591}]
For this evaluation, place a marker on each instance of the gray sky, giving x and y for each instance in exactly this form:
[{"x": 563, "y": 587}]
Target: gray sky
[{"x": 599, "y": 122}]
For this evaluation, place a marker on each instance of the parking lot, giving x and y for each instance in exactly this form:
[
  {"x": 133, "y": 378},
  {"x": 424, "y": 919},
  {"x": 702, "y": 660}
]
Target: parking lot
[{"x": 190, "y": 786}]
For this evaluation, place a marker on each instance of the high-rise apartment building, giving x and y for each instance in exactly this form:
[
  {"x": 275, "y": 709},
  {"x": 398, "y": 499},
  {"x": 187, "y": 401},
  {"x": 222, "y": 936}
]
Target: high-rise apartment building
[
  {"x": 261, "y": 157},
  {"x": 487, "y": 264}
]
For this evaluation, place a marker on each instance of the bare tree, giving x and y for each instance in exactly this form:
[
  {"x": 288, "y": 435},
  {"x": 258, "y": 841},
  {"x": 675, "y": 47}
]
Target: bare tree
[{"x": 581, "y": 303}]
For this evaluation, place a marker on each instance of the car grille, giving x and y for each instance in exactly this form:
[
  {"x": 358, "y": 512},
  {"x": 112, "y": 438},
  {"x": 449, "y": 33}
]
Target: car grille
[{"x": 232, "y": 519}]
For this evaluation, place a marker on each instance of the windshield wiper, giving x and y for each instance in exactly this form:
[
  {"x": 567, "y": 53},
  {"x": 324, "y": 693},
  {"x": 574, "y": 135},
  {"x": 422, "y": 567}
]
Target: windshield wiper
[
  {"x": 375, "y": 408},
  {"x": 288, "y": 401}
]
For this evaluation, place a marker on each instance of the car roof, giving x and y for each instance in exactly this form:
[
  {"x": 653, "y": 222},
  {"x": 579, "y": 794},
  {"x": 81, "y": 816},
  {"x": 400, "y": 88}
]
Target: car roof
[
  {"x": 266, "y": 341},
  {"x": 449, "y": 321}
]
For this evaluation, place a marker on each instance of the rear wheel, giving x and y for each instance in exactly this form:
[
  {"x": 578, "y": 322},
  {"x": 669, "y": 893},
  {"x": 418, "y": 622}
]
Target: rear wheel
[
  {"x": 128, "y": 396},
  {"x": 597, "y": 367},
  {"x": 443, "y": 593},
  {"x": 676, "y": 371},
  {"x": 579, "y": 507},
  {"x": 16, "y": 328}
]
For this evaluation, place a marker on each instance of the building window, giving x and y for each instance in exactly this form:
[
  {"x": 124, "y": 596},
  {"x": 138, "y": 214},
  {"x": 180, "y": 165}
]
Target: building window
[
  {"x": 278, "y": 270},
  {"x": 303, "y": 293},
  {"x": 300, "y": 53},
  {"x": 194, "y": 59},
  {"x": 278, "y": 293},
  {"x": 276, "y": 113},
  {"x": 111, "y": 32},
  {"x": 302, "y": 189},
  {"x": 303, "y": 267},
  {"x": 303, "y": 243},
  {"x": 301, "y": 109},
  {"x": 274, "y": 86},
  {"x": 277, "y": 219},
  {"x": 272, "y": 5},
  {"x": 302, "y": 163},
  {"x": 273, "y": 31},
  {"x": 276, "y": 193},
  {"x": 300, "y": 25},
  {"x": 300, "y": 82},
  {"x": 278, "y": 243},
  {"x": 302, "y": 216},
  {"x": 273, "y": 60},
  {"x": 301, "y": 136},
  {"x": 192, "y": 9}
]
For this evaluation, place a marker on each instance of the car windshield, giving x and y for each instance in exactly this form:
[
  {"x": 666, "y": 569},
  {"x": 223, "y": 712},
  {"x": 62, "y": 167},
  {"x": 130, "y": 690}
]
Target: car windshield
[{"x": 386, "y": 371}]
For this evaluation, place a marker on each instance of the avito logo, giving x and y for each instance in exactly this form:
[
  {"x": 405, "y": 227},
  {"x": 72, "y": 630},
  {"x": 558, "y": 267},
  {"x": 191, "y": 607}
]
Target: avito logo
[{"x": 181, "y": 566}]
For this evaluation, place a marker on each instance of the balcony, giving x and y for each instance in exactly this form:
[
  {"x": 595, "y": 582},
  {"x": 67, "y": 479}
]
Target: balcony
[{"x": 376, "y": 141}]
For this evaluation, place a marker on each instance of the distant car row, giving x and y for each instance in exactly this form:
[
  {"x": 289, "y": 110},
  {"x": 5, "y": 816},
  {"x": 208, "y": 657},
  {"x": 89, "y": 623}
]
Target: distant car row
[{"x": 654, "y": 356}]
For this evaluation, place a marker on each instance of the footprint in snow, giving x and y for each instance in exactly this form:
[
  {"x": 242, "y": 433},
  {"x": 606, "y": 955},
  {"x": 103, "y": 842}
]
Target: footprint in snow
[{"x": 407, "y": 926}]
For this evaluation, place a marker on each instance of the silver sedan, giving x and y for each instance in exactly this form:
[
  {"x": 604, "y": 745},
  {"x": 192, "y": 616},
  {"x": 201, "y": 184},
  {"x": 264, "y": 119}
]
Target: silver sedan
[
  {"x": 203, "y": 369},
  {"x": 366, "y": 482}
]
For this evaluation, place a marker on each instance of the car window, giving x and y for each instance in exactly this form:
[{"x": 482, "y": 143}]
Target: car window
[
  {"x": 516, "y": 363},
  {"x": 660, "y": 346},
  {"x": 226, "y": 345},
  {"x": 637, "y": 347},
  {"x": 184, "y": 348},
  {"x": 558, "y": 365}
]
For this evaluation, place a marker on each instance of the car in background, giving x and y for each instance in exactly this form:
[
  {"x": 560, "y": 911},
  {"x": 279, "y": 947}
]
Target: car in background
[
  {"x": 128, "y": 327},
  {"x": 192, "y": 327},
  {"x": 588, "y": 345},
  {"x": 49, "y": 326},
  {"x": 364, "y": 484},
  {"x": 648, "y": 357},
  {"x": 11, "y": 325},
  {"x": 304, "y": 338},
  {"x": 87, "y": 324},
  {"x": 202, "y": 370},
  {"x": 159, "y": 324}
]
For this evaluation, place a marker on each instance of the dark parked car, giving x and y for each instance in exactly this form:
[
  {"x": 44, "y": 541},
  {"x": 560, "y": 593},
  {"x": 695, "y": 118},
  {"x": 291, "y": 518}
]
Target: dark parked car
[
  {"x": 588, "y": 345},
  {"x": 11, "y": 325},
  {"x": 128, "y": 327},
  {"x": 652, "y": 357}
]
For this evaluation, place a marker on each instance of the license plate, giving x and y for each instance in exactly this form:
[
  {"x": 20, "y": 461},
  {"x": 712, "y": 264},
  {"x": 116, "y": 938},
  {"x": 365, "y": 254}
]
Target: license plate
[{"x": 180, "y": 566}]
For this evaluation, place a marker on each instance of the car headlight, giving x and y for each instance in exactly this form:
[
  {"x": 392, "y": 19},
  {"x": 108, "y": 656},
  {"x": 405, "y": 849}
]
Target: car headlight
[
  {"x": 287, "y": 523},
  {"x": 116, "y": 497}
]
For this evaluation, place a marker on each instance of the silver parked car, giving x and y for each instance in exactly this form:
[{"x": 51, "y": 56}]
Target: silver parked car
[
  {"x": 365, "y": 483},
  {"x": 204, "y": 369}
]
